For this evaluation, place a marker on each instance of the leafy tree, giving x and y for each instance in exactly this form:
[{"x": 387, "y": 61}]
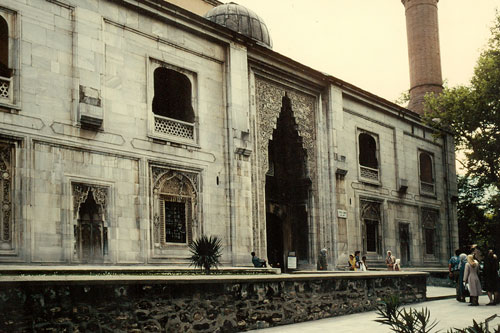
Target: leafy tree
[
  {"x": 471, "y": 114},
  {"x": 206, "y": 252},
  {"x": 478, "y": 219}
]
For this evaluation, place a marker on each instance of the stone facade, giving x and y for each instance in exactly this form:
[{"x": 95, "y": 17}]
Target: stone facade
[
  {"x": 101, "y": 164},
  {"x": 201, "y": 305}
]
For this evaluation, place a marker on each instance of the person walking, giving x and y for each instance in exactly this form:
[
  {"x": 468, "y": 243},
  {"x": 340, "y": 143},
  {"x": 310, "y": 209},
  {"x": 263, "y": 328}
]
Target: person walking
[
  {"x": 390, "y": 260},
  {"x": 472, "y": 279},
  {"x": 454, "y": 272},
  {"x": 491, "y": 277}
]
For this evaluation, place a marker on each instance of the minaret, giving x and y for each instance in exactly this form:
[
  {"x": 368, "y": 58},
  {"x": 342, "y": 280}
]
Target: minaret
[{"x": 423, "y": 51}]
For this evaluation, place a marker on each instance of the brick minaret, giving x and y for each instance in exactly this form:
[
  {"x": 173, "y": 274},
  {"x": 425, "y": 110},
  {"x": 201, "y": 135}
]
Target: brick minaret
[{"x": 423, "y": 50}]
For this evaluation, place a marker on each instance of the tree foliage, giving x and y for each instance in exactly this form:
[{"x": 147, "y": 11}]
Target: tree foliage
[
  {"x": 478, "y": 220},
  {"x": 471, "y": 113}
]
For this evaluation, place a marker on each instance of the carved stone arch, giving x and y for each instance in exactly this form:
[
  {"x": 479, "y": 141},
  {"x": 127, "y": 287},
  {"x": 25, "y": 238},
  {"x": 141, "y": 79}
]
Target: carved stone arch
[
  {"x": 80, "y": 194},
  {"x": 176, "y": 192},
  {"x": 90, "y": 222},
  {"x": 370, "y": 210},
  {"x": 269, "y": 103}
]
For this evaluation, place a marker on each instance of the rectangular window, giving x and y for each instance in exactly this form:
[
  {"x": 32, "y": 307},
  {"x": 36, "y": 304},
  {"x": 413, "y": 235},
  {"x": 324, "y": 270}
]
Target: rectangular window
[
  {"x": 371, "y": 217},
  {"x": 371, "y": 235},
  {"x": 175, "y": 222},
  {"x": 429, "y": 241}
]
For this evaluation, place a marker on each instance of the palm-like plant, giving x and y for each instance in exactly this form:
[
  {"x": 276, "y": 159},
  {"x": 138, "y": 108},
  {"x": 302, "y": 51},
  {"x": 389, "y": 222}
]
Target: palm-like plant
[{"x": 206, "y": 252}]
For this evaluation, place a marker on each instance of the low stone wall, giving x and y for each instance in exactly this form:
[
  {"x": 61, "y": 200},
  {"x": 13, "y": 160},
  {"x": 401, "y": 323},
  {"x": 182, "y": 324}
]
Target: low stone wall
[{"x": 193, "y": 303}]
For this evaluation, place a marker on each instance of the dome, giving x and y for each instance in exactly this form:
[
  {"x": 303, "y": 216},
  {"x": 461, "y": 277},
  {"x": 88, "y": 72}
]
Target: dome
[{"x": 242, "y": 20}]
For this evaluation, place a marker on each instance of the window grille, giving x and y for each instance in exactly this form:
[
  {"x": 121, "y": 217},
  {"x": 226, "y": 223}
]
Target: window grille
[
  {"x": 175, "y": 222},
  {"x": 369, "y": 173},
  {"x": 5, "y": 89},
  {"x": 427, "y": 187},
  {"x": 173, "y": 127}
]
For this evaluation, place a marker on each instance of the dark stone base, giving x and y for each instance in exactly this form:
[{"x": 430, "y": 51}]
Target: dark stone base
[{"x": 211, "y": 305}]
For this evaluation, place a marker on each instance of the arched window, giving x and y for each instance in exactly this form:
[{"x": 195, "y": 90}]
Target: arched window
[
  {"x": 368, "y": 161},
  {"x": 426, "y": 168},
  {"x": 172, "y": 95},
  {"x": 367, "y": 151},
  {"x": 5, "y": 71},
  {"x": 426, "y": 173}
]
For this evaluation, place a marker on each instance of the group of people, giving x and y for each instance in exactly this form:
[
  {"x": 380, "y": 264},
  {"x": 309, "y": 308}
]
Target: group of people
[
  {"x": 464, "y": 270},
  {"x": 355, "y": 263}
]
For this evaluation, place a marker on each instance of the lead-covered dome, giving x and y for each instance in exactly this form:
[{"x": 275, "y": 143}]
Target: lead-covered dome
[{"x": 242, "y": 20}]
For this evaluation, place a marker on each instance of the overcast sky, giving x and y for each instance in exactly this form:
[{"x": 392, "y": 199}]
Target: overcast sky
[{"x": 364, "y": 43}]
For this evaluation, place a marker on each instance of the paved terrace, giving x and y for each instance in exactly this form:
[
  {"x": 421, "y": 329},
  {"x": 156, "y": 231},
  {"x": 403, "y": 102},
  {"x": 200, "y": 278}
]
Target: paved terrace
[{"x": 448, "y": 312}]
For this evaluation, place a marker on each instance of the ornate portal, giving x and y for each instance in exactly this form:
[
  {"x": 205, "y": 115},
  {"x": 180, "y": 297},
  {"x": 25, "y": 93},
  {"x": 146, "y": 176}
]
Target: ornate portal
[{"x": 174, "y": 206}]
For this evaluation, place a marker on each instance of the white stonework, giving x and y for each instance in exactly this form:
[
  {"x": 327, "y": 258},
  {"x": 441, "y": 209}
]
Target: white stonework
[{"x": 83, "y": 161}]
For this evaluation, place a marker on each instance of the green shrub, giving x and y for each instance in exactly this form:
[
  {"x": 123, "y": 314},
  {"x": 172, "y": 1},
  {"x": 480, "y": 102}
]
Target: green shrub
[
  {"x": 206, "y": 252},
  {"x": 404, "y": 321}
]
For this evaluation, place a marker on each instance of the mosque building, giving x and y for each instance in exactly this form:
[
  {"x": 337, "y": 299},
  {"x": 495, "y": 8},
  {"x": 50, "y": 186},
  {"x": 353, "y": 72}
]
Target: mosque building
[{"x": 130, "y": 128}]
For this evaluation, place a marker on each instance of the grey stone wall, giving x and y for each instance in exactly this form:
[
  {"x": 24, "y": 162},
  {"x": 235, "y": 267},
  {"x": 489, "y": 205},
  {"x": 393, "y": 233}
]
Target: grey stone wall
[{"x": 213, "y": 304}]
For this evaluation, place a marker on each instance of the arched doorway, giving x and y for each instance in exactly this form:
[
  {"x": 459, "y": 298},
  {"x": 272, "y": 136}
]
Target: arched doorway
[{"x": 287, "y": 192}]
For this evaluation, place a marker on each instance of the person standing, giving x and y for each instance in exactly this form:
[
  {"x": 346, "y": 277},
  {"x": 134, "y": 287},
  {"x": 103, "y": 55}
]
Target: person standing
[
  {"x": 461, "y": 269},
  {"x": 390, "y": 260},
  {"x": 357, "y": 259},
  {"x": 471, "y": 277},
  {"x": 322, "y": 262},
  {"x": 365, "y": 265},
  {"x": 491, "y": 277},
  {"x": 454, "y": 272}
]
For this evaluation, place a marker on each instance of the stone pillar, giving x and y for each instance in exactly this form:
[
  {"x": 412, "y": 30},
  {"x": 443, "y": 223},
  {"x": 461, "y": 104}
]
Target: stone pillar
[{"x": 423, "y": 50}]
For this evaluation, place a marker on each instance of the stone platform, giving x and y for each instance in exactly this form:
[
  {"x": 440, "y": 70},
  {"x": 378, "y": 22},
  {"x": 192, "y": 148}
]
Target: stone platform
[{"x": 215, "y": 303}]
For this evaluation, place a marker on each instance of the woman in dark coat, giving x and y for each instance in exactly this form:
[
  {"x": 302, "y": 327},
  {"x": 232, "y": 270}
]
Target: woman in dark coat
[{"x": 491, "y": 277}]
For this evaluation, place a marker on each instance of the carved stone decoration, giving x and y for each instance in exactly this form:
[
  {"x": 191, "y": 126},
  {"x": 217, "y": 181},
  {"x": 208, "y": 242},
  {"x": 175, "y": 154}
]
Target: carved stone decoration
[
  {"x": 179, "y": 191},
  {"x": 6, "y": 159},
  {"x": 429, "y": 218},
  {"x": 269, "y": 102},
  {"x": 370, "y": 210},
  {"x": 81, "y": 192}
]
